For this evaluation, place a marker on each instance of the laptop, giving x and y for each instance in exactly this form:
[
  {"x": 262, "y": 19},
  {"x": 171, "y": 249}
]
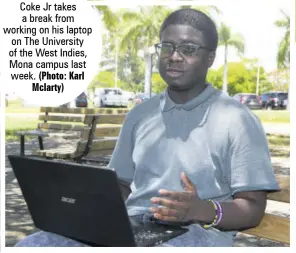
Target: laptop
[{"x": 85, "y": 203}]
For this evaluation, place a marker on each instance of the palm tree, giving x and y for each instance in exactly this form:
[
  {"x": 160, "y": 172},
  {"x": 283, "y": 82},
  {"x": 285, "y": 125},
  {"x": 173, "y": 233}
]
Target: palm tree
[
  {"x": 283, "y": 55},
  {"x": 228, "y": 39},
  {"x": 140, "y": 31},
  {"x": 110, "y": 19}
]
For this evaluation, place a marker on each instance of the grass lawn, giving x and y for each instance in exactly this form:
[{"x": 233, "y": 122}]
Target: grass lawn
[
  {"x": 15, "y": 106},
  {"x": 14, "y": 124},
  {"x": 273, "y": 116}
]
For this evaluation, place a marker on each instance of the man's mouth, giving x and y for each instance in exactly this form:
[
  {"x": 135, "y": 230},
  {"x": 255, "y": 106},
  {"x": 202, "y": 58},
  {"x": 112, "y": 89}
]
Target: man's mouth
[{"x": 175, "y": 72}]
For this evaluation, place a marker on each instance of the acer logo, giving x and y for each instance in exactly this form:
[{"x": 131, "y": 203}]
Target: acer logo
[{"x": 68, "y": 200}]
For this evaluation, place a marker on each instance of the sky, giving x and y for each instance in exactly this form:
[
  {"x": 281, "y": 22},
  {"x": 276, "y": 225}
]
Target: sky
[{"x": 254, "y": 20}]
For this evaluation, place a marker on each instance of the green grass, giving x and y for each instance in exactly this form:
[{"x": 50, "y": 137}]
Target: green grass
[
  {"x": 14, "y": 124},
  {"x": 15, "y": 106},
  {"x": 273, "y": 116}
]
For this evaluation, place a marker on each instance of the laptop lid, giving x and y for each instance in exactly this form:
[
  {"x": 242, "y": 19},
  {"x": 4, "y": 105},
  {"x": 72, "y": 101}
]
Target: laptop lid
[{"x": 74, "y": 200}]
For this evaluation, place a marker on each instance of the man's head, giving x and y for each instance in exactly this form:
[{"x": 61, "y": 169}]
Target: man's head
[{"x": 184, "y": 66}]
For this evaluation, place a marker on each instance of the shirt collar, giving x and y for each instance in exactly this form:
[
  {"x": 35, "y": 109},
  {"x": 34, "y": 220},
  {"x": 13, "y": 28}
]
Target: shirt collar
[{"x": 167, "y": 104}]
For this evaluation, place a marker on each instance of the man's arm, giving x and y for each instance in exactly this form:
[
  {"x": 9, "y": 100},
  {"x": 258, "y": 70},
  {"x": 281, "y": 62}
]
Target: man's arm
[
  {"x": 250, "y": 177},
  {"x": 245, "y": 211},
  {"x": 121, "y": 159}
]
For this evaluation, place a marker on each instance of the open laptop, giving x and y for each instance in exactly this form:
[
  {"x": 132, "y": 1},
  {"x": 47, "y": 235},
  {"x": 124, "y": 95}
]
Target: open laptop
[{"x": 85, "y": 203}]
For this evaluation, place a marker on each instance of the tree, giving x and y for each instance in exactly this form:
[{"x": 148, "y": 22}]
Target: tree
[
  {"x": 229, "y": 39},
  {"x": 110, "y": 19},
  {"x": 141, "y": 32},
  {"x": 283, "y": 55},
  {"x": 241, "y": 77},
  {"x": 158, "y": 84}
]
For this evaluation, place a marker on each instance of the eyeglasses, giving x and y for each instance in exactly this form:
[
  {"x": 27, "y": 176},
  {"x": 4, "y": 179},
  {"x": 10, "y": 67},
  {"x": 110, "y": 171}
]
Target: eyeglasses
[{"x": 165, "y": 50}]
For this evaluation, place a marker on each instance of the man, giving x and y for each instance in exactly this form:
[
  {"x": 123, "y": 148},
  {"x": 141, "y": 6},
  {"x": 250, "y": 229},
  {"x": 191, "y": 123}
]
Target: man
[{"x": 191, "y": 144}]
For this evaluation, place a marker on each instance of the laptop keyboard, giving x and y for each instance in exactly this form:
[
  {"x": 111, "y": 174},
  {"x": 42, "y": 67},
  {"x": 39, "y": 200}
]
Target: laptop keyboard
[
  {"x": 148, "y": 233},
  {"x": 150, "y": 237}
]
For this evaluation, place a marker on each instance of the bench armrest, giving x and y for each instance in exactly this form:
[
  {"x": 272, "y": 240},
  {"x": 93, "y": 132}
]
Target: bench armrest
[{"x": 36, "y": 132}]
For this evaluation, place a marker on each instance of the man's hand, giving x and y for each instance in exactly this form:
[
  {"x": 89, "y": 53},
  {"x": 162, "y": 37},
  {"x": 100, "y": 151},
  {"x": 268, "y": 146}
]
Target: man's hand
[{"x": 181, "y": 206}]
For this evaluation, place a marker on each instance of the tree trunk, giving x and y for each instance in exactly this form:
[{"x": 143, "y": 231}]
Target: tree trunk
[
  {"x": 225, "y": 81},
  {"x": 148, "y": 71}
]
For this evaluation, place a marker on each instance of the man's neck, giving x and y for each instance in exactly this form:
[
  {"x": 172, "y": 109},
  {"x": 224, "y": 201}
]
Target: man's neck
[{"x": 182, "y": 97}]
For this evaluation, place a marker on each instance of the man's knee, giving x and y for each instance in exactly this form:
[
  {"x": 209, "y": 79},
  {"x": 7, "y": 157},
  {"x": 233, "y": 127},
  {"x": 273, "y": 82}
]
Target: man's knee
[{"x": 46, "y": 239}]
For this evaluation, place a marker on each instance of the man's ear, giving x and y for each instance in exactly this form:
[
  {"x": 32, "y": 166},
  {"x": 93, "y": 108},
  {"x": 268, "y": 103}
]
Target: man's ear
[{"x": 211, "y": 58}]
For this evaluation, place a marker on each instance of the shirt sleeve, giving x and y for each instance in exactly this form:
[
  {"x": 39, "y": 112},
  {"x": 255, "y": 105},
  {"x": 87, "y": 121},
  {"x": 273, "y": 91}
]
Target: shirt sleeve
[
  {"x": 250, "y": 162},
  {"x": 121, "y": 159}
]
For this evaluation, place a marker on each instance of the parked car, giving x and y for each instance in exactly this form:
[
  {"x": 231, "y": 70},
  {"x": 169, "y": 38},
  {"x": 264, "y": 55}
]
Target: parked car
[
  {"x": 249, "y": 99},
  {"x": 142, "y": 97},
  {"x": 81, "y": 100},
  {"x": 274, "y": 100},
  {"x": 112, "y": 97}
]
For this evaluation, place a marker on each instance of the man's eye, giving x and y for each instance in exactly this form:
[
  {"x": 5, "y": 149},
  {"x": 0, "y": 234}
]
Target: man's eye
[
  {"x": 188, "y": 50},
  {"x": 166, "y": 48}
]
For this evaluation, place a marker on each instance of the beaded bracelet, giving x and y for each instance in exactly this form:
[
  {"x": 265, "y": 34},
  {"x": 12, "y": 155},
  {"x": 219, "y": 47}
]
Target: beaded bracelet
[
  {"x": 218, "y": 216},
  {"x": 220, "y": 213}
]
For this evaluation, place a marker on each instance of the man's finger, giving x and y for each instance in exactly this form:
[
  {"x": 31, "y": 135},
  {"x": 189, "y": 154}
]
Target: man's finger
[
  {"x": 177, "y": 196},
  {"x": 189, "y": 186},
  {"x": 173, "y": 204},
  {"x": 166, "y": 218},
  {"x": 163, "y": 211}
]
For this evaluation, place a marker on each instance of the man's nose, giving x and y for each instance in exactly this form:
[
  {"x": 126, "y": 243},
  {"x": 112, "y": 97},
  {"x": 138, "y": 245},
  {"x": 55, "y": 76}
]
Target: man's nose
[{"x": 176, "y": 56}]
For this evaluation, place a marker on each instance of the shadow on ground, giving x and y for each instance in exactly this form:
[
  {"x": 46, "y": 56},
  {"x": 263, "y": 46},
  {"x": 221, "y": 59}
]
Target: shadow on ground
[{"x": 18, "y": 220}]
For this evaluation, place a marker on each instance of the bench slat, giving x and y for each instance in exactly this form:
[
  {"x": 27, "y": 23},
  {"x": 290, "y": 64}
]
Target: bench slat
[
  {"x": 62, "y": 118},
  {"x": 56, "y": 126},
  {"x": 36, "y": 132},
  {"x": 99, "y": 144},
  {"x": 83, "y": 110},
  {"x": 272, "y": 227},
  {"x": 111, "y": 119},
  {"x": 58, "y": 153},
  {"x": 284, "y": 194},
  {"x": 107, "y": 131}
]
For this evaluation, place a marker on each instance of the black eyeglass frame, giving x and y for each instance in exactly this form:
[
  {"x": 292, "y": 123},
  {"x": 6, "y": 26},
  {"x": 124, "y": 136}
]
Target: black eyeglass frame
[{"x": 175, "y": 48}]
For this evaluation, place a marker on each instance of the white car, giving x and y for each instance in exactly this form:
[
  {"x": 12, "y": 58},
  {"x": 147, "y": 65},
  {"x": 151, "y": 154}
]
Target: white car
[{"x": 112, "y": 97}]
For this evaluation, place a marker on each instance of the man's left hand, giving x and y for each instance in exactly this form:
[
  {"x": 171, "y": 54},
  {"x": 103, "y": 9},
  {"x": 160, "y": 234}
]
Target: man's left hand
[{"x": 178, "y": 206}]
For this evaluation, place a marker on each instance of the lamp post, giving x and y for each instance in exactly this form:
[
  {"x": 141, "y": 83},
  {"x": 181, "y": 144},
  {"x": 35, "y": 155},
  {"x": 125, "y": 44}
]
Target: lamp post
[
  {"x": 147, "y": 53},
  {"x": 116, "y": 63},
  {"x": 258, "y": 80}
]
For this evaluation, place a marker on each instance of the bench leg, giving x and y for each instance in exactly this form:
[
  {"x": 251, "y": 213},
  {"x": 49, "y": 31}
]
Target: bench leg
[
  {"x": 40, "y": 143},
  {"x": 22, "y": 145}
]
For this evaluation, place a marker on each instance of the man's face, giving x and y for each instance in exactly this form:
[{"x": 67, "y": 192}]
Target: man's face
[{"x": 183, "y": 72}]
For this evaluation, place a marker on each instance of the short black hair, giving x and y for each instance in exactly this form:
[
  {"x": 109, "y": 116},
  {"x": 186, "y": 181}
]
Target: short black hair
[{"x": 196, "y": 19}]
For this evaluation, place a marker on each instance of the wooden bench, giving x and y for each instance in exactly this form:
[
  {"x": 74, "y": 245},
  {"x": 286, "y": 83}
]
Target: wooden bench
[
  {"x": 78, "y": 125},
  {"x": 68, "y": 124},
  {"x": 275, "y": 227}
]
